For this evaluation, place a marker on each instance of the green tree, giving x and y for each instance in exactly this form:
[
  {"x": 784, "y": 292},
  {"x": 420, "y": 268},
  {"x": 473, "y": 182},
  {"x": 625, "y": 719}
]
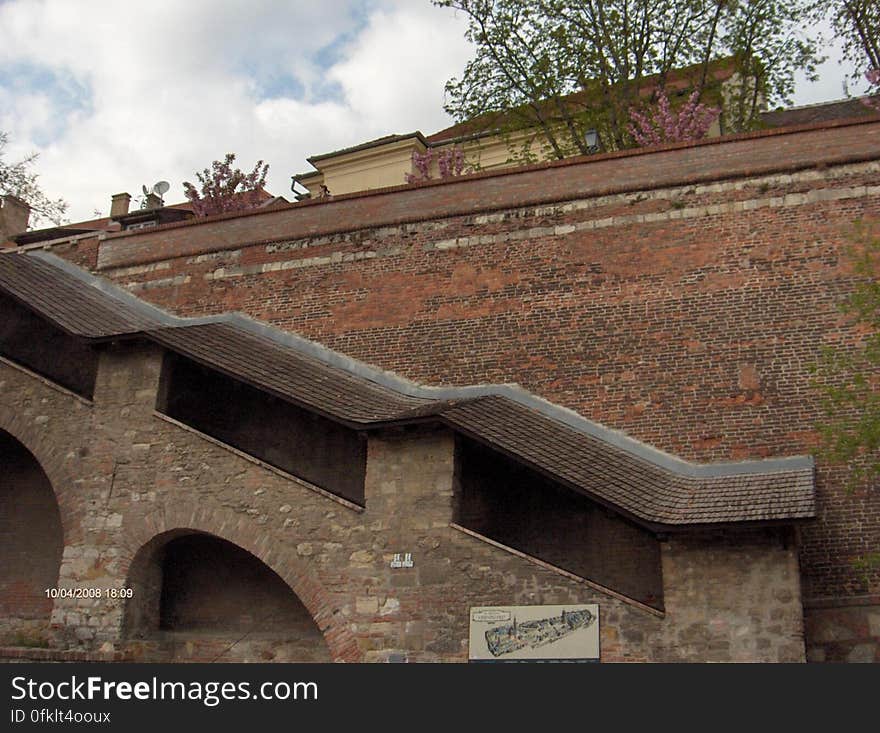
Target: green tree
[
  {"x": 857, "y": 24},
  {"x": 19, "y": 179},
  {"x": 848, "y": 378},
  {"x": 560, "y": 67}
]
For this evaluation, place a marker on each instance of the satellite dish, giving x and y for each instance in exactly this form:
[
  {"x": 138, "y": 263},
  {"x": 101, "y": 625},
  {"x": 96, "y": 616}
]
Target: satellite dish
[
  {"x": 144, "y": 189},
  {"x": 161, "y": 188}
]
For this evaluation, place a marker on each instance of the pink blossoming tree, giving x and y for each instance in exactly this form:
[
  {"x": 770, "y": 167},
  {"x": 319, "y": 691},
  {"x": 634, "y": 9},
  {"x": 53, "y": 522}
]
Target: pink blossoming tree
[
  {"x": 662, "y": 124},
  {"x": 224, "y": 188},
  {"x": 450, "y": 163}
]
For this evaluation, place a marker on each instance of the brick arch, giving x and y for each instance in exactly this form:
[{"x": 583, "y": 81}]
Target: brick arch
[
  {"x": 51, "y": 458},
  {"x": 143, "y": 532}
]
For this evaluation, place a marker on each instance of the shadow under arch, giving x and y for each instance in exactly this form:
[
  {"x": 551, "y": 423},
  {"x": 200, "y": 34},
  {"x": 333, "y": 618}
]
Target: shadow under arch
[
  {"x": 31, "y": 545},
  {"x": 148, "y": 536},
  {"x": 51, "y": 459}
]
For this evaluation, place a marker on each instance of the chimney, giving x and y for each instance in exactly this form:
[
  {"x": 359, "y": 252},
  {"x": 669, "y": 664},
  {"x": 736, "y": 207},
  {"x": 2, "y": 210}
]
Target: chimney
[
  {"x": 119, "y": 204},
  {"x": 14, "y": 215},
  {"x": 154, "y": 201}
]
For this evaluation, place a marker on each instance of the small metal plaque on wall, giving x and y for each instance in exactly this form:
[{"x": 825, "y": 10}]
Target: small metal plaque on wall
[
  {"x": 402, "y": 560},
  {"x": 568, "y": 633}
]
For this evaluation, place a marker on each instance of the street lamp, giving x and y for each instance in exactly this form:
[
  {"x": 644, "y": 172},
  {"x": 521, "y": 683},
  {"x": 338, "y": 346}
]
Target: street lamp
[{"x": 591, "y": 138}]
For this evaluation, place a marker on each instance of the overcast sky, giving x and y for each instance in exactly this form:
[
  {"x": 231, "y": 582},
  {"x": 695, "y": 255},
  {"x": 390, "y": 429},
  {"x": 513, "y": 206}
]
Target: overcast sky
[{"x": 116, "y": 94}]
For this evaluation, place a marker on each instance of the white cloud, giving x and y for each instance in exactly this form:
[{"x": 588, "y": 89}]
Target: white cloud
[
  {"x": 834, "y": 80},
  {"x": 397, "y": 68},
  {"x": 172, "y": 86}
]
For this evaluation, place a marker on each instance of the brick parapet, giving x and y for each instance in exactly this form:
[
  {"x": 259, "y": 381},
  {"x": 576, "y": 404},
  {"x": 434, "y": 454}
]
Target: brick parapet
[{"x": 725, "y": 159}]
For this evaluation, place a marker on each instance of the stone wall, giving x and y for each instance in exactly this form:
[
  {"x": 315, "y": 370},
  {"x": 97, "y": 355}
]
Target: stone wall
[
  {"x": 843, "y": 631},
  {"x": 128, "y": 479},
  {"x": 735, "y": 596},
  {"x": 680, "y": 295}
]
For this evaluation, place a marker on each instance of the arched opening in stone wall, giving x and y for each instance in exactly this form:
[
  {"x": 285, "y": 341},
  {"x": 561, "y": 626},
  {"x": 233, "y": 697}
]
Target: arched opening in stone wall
[
  {"x": 33, "y": 342},
  {"x": 197, "y": 597},
  {"x": 300, "y": 442},
  {"x": 522, "y": 509},
  {"x": 31, "y": 544}
]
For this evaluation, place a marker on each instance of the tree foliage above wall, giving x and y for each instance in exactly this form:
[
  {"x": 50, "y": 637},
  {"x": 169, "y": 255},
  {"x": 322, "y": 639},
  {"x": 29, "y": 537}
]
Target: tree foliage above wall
[
  {"x": 856, "y": 24},
  {"x": 561, "y": 67},
  {"x": 224, "y": 188},
  {"x": 19, "y": 179}
]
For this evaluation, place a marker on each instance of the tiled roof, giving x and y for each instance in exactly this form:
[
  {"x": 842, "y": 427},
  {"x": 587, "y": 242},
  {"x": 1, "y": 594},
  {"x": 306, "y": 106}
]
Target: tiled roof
[
  {"x": 629, "y": 482},
  {"x": 76, "y": 308},
  {"x": 108, "y": 224},
  {"x": 376, "y": 143},
  {"x": 490, "y": 122},
  {"x": 825, "y": 112},
  {"x": 283, "y": 371},
  {"x": 650, "y": 487}
]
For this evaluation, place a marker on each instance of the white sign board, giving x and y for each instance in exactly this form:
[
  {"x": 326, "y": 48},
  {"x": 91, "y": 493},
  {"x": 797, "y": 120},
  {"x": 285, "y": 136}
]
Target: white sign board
[{"x": 537, "y": 633}]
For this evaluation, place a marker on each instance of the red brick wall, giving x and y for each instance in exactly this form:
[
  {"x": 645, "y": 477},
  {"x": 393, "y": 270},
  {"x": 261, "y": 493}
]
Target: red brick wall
[
  {"x": 684, "y": 164},
  {"x": 678, "y": 295}
]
